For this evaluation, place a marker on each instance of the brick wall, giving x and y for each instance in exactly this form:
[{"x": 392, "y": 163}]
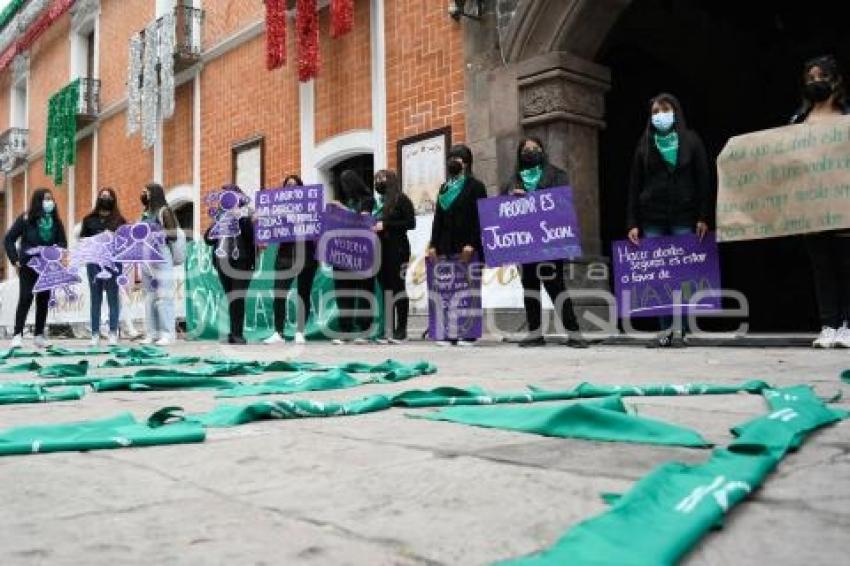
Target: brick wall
[
  {"x": 177, "y": 140},
  {"x": 344, "y": 84},
  {"x": 49, "y": 72},
  {"x": 225, "y": 17},
  {"x": 19, "y": 202},
  {"x": 425, "y": 74},
  {"x": 123, "y": 164},
  {"x": 82, "y": 180},
  {"x": 119, "y": 20}
]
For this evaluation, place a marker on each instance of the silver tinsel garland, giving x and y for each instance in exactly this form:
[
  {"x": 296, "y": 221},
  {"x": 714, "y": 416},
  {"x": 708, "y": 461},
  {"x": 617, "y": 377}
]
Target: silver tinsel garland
[
  {"x": 134, "y": 92},
  {"x": 167, "y": 46},
  {"x": 150, "y": 86},
  {"x": 21, "y": 22}
]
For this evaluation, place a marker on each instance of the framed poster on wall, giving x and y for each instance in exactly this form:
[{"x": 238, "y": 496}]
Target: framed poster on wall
[
  {"x": 248, "y": 165},
  {"x": 422, "y": 167}
]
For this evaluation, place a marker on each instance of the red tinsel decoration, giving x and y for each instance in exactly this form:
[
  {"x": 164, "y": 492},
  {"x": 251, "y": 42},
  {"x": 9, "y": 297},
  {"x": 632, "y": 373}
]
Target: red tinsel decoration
[
  {"x": 342, "y": 17},
  {"x": 275, "y": 34},
  {"x": 43, "y": 22},
  {"x": 307, "y": 27}
]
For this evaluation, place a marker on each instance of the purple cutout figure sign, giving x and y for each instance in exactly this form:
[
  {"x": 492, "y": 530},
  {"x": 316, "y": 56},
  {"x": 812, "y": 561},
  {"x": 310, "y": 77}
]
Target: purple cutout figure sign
[
  {"x": 226, "y": 208},
  {"x": 539, "y": 226},
  {"x": 139, "y": 243},
  {"x": 289, "y": 214},
  {"x": 454, "y": 300},
  {"x": 348, "y": 241},
  {"x": 53, "y": 275},
  {"x": 666, "y": 276}
]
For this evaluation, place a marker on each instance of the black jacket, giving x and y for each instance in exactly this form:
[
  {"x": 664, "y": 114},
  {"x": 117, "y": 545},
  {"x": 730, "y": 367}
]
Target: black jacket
[
  {"x": 94, "y": 224},
  {"x": 459, "y": 226},
  {"x": 27, "y": 233},
  {"x": 552, "y": 177},
  {"x": 670, "y": 196},
  {"x": 244, "y": 242},
  {"x": 394, "y": 241}
]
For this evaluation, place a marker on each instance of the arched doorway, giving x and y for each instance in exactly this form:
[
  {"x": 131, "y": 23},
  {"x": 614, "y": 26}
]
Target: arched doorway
[
  {"x": 735, "y": 66},
  {"x": 363, "y": 165}
]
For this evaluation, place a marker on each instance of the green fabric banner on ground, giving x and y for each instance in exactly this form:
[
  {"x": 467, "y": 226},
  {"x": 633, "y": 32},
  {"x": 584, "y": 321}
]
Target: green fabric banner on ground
[
  {"x": 667, "y": 512},
  {"x": 605, "y": 420},
  {"x": 206, "y": 311},
  {"x": 122, "y": 431},
  {"x": 15, "y": 393}
]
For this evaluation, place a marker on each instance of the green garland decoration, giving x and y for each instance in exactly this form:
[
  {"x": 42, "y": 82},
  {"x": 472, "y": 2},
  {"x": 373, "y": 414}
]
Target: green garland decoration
[
  {"x": 9, "y": 12},
  {"x": 60, "y": 148}
]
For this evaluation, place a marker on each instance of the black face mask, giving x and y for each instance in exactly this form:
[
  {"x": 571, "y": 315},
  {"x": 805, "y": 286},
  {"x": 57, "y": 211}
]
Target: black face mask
[
  {"x": 381, "y": 187},
  {"x": 819, "y": 91},
  {"x": 530, "y": 158},
  {"x": 106, "y": 204},
  {"x": 454, "y": 167},
  {"x": 145, "y": 200}
]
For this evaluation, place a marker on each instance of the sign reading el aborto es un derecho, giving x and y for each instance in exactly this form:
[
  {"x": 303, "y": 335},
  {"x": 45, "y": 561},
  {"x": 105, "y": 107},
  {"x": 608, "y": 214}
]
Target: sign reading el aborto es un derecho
[
  {"x": 539, "y": 226},
  {"x": 666, "y": 276},
  {"x": 785, "y": 181},
  {"x": 289, "y": 214}
]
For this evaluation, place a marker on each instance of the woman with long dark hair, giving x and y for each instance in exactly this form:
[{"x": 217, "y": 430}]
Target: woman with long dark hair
[
  {"x": 235, "y": 264},
  {"x": 158, "y": 278},
  {"x": 824, "y": 99},
  {"x": 456, "y": 232},
  {"x": 294, "y": 261},
  {"x": 106, "y": 216},
  {"x": 395, "y": 215},
  {"x": 40, "y": 225},
  {"x": 534, "y": 172},
  {"x": 351, "y": 290},
  {"x": 669, "y": 189}
]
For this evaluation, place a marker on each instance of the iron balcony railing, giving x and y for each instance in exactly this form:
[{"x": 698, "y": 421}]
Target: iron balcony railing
[
  {"x": 14, "y": 146},
  {"x": 89, "y": 105}
]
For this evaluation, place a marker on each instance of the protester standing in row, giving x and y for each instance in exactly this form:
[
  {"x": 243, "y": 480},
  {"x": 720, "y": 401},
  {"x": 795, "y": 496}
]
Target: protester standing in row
[
  {"x": 669, "y": 189},
  {"x": 534, "y": 172},
  {"x": 294, "y": 261},
  {"x": 824, "y": 99},
  {"x": 234, "y": 261},
  {"x": 456, "y": 232},
  {"x": 158, "y": 280},
  {"x": 352, "y": 289},
  {"x": 106, "y": 216},
  {"x": 395, "y": 217},
  {"x": 40, "y": 225}
]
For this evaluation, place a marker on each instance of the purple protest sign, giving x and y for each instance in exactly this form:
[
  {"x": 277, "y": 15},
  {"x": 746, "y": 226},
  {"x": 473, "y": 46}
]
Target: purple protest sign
[
  {"x": 139, "y": 243},
  {"x": 53, "y": 275},
  {"x": 662, "y": 276},
  {"x": 289, "y": 214},
  {"x": 540, "y": 226},
  {"x": 348, "y": 241},
  {"x": 454, "y": 300}
]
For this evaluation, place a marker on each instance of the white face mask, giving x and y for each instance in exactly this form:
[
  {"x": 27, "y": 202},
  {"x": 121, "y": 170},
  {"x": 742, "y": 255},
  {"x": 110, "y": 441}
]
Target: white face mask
[
  {"x": 664, "y": 121},
  {"x": 48, "y": 206}
]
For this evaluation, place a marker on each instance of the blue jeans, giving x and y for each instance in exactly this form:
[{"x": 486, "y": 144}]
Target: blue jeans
[
  {"x": 96, "y": 289},
  {"x": 159, "y": 287},
  {"x": 667, "y": 323}
]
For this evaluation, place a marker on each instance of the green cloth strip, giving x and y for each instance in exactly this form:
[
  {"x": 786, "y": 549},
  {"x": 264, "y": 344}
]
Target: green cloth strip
[
  {"x": 139, "y": 362},
  {"x": 667, "y": 512},
  {"x": 118, "y": 432},
  {"x": 16, "y": 393},
  {"x": 605, "y": 420}
]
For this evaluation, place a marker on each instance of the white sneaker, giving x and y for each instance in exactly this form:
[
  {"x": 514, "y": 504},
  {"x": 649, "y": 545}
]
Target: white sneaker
[
  {"x": 299, "y": 338},
  {"x": 466, "y": 343},
  {"x": 41, "y": 341},
  {"x": 360, "y": 341},
  {"x": 382, "y": 341},
  {"x": 94, "y": 342},
  {"x": 147, "y": 341},
  {"x": 164, "y": 340},
  {"x": 17, "y": 341},
  {"x": 443, "y": 343},
  {"x": 338, "y": 342},
  {"x": 273, "y": 339},
  {"x": 826, "y": 339},
  {"x": 842, "y": 337},
  {"x": 113, "y": 339}
]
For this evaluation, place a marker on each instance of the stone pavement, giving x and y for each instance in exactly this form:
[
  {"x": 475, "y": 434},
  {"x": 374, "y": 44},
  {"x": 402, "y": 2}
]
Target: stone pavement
[{"x": 385, "y": 489}]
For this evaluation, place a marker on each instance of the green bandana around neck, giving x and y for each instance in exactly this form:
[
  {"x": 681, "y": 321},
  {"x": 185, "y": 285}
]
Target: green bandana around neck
[
  {"x": 668, "y": 147},
  {"x": 531, "y": 177},
  {"x": 451, "y": 191}
]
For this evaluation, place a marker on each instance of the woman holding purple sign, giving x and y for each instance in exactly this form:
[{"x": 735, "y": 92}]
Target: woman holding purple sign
[
  {"x": 456, "y": 232},
  {"x": 40, "y": 225},
  {"x": 395, "y": 215},
  {"x": 294, "y": 261},
  {"x": 158, "y": 278},
  {"x": 669, "y": 189},
  {"x": 105, "y": 217},
  {"x": 234, "y": 257},
  {"x": 352, "y": 290},
  {"x": 534, "y": 173}
]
